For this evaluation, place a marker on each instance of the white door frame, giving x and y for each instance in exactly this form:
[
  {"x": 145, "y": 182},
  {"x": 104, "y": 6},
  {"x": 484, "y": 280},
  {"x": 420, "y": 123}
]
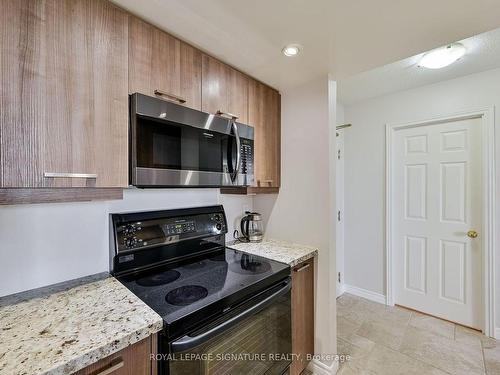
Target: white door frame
[{"x": 488, "y": 250}]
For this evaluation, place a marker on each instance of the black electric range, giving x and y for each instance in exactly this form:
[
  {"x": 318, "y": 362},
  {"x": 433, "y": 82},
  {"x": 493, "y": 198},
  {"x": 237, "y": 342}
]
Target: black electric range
[{"x": 176, "y": 261}]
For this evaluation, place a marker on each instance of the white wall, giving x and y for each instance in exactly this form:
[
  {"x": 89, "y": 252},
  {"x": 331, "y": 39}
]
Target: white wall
[
  {"x": 303, "y": 210},
  {"x": 365, "y": 165},
  {"x": 48, "y": 243},
  {"x": 235, "y": 207}
]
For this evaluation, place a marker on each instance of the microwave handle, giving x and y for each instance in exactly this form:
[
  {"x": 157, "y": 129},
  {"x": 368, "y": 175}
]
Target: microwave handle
[
  {"x": 188, "y": 342},
  {"x": 238, "y": 151}
]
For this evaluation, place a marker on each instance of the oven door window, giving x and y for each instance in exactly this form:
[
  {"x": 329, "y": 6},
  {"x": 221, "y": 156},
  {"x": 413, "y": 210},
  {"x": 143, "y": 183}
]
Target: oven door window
[
  {"x": 259, "y": 344},
  {"x": 166, "y": 145}
]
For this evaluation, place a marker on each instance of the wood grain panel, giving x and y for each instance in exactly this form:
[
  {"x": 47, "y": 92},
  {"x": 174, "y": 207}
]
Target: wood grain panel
[
  {"x": 302, "y": 314},
  {"x": 264, "y": 114},
  {"x": 135, "y": 359},
  {"x": 66, "y": 129},
  {"x": 56, "y": 195},
  {"x": 109, "y": 27},
  {"x": 191, "y": 76},
  {"x": 237, "y": 94},
  {"x": 165, "y": 63},
  {"x": 154, "y": 350},
  {"x": 22, "y": 99},
  {"x": 214, "y": 83},
  {"x": 224, "y": 89},
  {"x": 159, "y": 61},
  {"x": 140, "y": 56},
  {"x": 64, "y": 97}
]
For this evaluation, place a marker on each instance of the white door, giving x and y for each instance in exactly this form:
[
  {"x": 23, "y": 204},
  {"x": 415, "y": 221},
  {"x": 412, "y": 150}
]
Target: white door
[{"x": 437, "y": 199}]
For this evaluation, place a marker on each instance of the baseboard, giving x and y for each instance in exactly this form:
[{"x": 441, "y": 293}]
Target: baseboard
[
  {"x": 368, "y": 294},
  {"x": 320, "y": 368},
  {"x": 341, "y": 290},
  {"x": 497, "y": 333}
]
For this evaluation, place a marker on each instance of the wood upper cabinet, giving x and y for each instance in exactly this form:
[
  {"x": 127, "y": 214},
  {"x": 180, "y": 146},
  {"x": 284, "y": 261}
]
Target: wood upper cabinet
[
  {"x": 63, "y": 102},
  {"x": 224, "y": 89},
  {"x": 133, "y": 360},
  {"x": 302, "y": 314},
  {"x": 264, "y": 114},
  {"x": 163, "y": 66}
]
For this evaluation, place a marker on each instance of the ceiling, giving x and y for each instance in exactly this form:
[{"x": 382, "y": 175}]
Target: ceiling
[
  {"x": 339, "y": 37},
  {"x": 483, "y": 53}
]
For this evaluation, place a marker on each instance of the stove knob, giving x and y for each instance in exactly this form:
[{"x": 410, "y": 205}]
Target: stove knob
[
  {"x": 218, "y": 226},
  {"x": 217, "y": 217}
]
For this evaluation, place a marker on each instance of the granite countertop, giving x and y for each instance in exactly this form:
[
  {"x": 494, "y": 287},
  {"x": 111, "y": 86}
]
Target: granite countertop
[
  {"x": 60, "y": 332},
  {"x": 280, "y": 251}
]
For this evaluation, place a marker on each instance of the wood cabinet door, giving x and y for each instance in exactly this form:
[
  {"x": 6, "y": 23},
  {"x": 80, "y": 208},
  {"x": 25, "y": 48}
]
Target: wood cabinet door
[
  {"x": 264, "y": 114},
  {"x": 302, "y": 314},
  {"x": 163, "y": 66},
  {"x": 64, "y": 99},
  {"x": 224, "y": 89},
  {"x": 133, "y": 360}
]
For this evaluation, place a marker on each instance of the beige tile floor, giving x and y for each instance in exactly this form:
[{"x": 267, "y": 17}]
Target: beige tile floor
[{"x": 384, "y": 340}]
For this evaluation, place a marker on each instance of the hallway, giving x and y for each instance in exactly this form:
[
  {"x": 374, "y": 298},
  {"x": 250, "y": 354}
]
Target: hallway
[{"x": 384, "y": 340}]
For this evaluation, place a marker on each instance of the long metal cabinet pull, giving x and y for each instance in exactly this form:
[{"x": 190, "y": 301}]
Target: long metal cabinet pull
[
  {"x": 69, "y": 175},
  {"x": 171, "y": 96},
  {"x": 303, "y": 267},
  {"x": 227, "y": 114}
]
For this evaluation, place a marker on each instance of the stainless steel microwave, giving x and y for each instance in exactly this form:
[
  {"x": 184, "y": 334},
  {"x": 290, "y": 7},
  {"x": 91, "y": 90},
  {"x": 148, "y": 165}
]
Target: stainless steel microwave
[{"x": 173, "y": 146}]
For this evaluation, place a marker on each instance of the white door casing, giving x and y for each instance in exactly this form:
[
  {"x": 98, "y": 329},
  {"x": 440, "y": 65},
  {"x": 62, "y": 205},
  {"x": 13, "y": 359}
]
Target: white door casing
[
  {"x": 439, "y": 186},
  {"x": 339, "y": 180}
]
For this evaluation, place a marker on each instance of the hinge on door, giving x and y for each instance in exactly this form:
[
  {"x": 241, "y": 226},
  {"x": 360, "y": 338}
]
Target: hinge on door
[
  {"x": 338, "y": 215},
  {"x": 338, "y": 154},
  {"x": 339, "y": 277}
]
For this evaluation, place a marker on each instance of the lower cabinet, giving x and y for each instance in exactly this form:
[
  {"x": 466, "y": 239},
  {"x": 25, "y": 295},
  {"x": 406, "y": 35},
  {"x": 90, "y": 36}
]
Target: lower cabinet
[
  {"x": 133, "y": 360},
  {"x": 302, "y": 314}
]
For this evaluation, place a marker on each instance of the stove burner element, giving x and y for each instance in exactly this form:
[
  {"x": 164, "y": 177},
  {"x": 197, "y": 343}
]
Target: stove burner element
[
  {"x": 248, "y": 265},
  {"x": 186, "y": 295},
  {"x": 159, "y": 278}
]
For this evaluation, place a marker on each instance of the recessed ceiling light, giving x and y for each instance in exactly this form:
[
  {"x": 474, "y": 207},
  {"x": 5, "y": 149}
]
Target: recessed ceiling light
[
  {"x": 441, "y": 57},
  {"x": 291, "y": 50}
]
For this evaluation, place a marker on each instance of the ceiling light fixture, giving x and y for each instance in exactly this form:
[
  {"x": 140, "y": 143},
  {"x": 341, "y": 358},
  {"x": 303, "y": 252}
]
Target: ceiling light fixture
[
  {"x": 441, "y": 57},
  {"x": 291, "y": 50}
]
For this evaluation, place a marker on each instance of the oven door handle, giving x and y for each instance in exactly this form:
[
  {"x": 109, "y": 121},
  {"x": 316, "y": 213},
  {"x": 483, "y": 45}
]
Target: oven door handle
[
  {"x": 188, "y": 342},
  {"x": 234, "y": 175}
]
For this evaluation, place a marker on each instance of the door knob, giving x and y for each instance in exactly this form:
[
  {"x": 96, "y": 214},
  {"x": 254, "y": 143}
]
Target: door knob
[{"x": 472, "y": 234}]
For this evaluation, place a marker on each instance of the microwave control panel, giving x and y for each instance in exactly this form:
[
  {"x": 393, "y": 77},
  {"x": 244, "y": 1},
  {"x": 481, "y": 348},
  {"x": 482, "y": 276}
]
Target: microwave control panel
[{"x": 246, "y": 156}]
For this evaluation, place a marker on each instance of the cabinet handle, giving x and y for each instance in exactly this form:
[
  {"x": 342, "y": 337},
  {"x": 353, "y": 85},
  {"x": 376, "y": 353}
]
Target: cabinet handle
[
  {"x": 111, "y": 369},
  {"x": 69, "y": 175},
  {"x": 170, "y": 96},
  {"x": 300, "y": 269},
  {"x": 227, "y": 114}
]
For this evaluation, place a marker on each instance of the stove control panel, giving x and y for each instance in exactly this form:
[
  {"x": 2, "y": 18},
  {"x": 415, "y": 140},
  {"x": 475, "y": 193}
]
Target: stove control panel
[
  {"x": 139, "y": 239},
  {"x": 148, "y": 233}
]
